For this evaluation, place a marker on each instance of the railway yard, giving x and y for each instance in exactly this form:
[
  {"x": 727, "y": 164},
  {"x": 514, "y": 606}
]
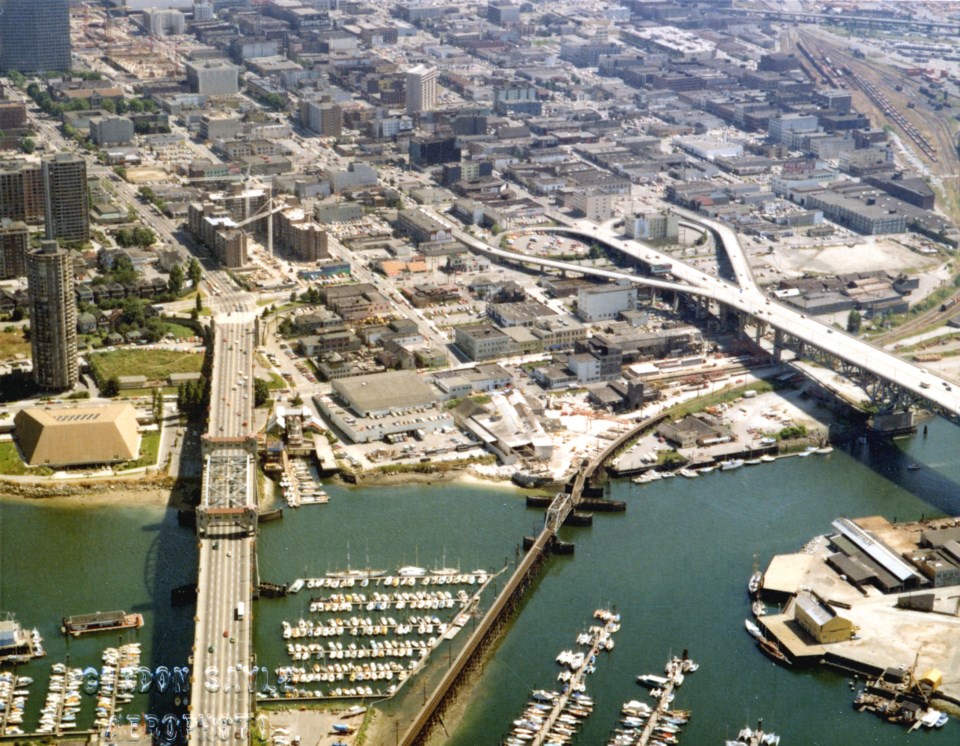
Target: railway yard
[{"x": 911, "y": 100}]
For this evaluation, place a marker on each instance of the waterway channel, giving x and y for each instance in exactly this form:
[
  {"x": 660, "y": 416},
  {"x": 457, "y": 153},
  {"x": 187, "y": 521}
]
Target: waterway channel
[{"x": 675, "y": 565}]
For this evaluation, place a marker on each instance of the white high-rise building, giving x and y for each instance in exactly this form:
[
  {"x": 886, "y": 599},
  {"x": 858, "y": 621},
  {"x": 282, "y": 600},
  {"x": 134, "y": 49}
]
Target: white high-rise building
[{"x": 421, "y": 88}]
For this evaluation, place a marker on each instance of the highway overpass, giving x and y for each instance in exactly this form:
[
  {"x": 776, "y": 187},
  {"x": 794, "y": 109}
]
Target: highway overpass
[{"x": 891, "y": 383}]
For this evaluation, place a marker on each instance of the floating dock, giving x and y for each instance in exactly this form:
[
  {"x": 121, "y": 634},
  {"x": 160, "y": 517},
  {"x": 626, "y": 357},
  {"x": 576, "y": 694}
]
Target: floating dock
[{"x": 675, "y": 671}]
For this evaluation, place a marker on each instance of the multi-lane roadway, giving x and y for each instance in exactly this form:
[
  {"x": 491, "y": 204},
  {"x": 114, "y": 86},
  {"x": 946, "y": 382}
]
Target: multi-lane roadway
[{"x": 222, "y": 655}]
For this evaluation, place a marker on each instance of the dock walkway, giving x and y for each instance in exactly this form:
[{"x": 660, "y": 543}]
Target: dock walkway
[
  {"x": 599, "y": 635},
  {"x": 675, "y": 674}
]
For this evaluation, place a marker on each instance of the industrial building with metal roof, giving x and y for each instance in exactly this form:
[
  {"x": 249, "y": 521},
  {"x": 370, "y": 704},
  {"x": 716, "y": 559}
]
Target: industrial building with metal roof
[
  {"x": 76, "y": 436},
  {"x": 380, "y": 393}
]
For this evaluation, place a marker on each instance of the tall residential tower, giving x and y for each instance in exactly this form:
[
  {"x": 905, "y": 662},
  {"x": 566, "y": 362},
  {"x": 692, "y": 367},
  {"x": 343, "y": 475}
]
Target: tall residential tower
[
  {"x": 34, "y": 36},
  {"x": 53, "y": 316},
  {"x": 67, "y": 211}
]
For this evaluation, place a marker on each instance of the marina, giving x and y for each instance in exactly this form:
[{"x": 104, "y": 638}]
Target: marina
[
  {"x": 300, "y": 484},
  {"x": 553, "y": 717},
  {"x": 62, "y": 705},
  {"x": 13, "y": 698},
  {"x": 372, "y": 656},
  {"x": 18, "y": 644},
  {"x": 118, "y": 682},
  {"x": 663, "y": 724}
]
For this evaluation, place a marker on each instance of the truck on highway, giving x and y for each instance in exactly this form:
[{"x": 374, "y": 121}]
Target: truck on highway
[{"x": 240, "y": 610}]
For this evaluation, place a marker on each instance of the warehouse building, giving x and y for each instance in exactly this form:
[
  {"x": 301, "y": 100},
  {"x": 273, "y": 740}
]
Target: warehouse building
[{"x": 381, "y": 393}]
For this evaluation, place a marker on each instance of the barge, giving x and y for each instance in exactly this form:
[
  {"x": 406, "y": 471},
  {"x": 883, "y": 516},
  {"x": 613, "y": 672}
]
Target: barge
[{"x": 100, "y": 621}]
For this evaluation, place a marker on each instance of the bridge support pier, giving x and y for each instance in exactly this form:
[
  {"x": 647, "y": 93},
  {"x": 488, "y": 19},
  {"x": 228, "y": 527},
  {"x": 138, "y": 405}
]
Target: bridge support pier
[
  {"x": 778, "y": 346},
  {"x": 894, "y": 423}
]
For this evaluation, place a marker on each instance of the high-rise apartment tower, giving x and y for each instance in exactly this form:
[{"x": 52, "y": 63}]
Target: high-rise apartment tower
[
  {"x": 53, "y": 316},
  {"x": 67, "y": 212}
]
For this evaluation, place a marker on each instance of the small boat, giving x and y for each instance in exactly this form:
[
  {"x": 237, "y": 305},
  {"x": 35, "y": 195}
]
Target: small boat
[
  {"x": 913, "y": 467},
  {"x": 825, "y": 450},
  {"x": 731, "y": 464},
  {"x": 688, "y": 473},
  {"x": 752, "y": 461},
  {"x": 756, "y": 580},
  {"x": 753, "y": 629},
  {"x": 296, "y": 585},
  {"x": 759, "y": 608},
  {"x": 411, "y": 571},
  {"x": 767, "y": 458},
  {"x": 772, "y": 651},
  {"x": 706, "y": 469},
  {"x": 651, "y": 680}
]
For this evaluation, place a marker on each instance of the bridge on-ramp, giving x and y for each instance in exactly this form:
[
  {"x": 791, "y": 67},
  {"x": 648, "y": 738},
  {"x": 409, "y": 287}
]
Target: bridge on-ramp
[{"x": 891, "y": 383}]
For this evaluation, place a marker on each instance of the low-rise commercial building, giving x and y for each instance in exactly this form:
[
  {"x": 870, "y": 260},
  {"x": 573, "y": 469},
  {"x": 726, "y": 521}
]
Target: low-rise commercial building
[
  {"x": 483, "y": 342},
  {"x": 603, "y": 302}
]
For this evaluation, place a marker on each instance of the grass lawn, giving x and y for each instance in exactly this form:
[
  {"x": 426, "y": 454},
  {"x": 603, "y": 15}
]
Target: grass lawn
[
  {"x": 10, "y": 462},
  {"x": 13, "y": 344},
  {"x": 154, "y": 364},
  {"x": 149, "y": 446},
  {"x": 178, "y": 330},
  {"x": 274, "y": 381}
]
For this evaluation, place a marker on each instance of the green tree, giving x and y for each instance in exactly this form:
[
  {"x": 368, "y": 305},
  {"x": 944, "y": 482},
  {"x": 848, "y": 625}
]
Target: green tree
[
  {"x": 27, "y": 145},
  {"x": 261, "y": 392},
  {"x": 194, "y": 272},
  {"x": 17, "y": 78},
  {"x": 157, "y": 405},
  {"x": 175, "y": 281},
  {"x": 111, "y": 387},
  {"x": 199, "y": 306},
  {"x": 853, "y": 321},
  {"x": 133, "y": 312},
  {"x": 143, "y": 236}
]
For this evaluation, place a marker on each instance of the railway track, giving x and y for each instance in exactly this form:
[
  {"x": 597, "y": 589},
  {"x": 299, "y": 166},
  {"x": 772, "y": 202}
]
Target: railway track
[{"x": 843, "y": 69}]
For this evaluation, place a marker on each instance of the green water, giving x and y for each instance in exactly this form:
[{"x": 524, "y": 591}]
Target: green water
[{"x": 675, "y": 565}]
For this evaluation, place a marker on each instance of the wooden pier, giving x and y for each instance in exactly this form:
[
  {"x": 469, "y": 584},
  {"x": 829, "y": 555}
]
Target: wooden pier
[
  {"x": 674, "y": 679},
  {"x": 599, "y": 638},
  {"x": 557, "y": 513}
]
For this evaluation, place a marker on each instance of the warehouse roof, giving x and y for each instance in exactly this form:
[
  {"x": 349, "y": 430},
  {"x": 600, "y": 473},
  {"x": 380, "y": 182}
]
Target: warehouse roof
[
  {"x": 379, "y": 392},
  {"x": 72, "y": 436}
]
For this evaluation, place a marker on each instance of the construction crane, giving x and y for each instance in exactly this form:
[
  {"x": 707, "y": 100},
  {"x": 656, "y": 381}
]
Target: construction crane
[{"x": 268, "y": 210}]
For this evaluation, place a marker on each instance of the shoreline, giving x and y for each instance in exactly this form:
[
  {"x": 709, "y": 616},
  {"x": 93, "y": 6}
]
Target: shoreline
[
  {"x": 457, "y": 475},
  {"x": 159, "y": 491}
]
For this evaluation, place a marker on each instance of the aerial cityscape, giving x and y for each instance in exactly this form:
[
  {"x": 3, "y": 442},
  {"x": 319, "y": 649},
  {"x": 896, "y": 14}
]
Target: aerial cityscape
[{"x": 429, "y": 372}]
